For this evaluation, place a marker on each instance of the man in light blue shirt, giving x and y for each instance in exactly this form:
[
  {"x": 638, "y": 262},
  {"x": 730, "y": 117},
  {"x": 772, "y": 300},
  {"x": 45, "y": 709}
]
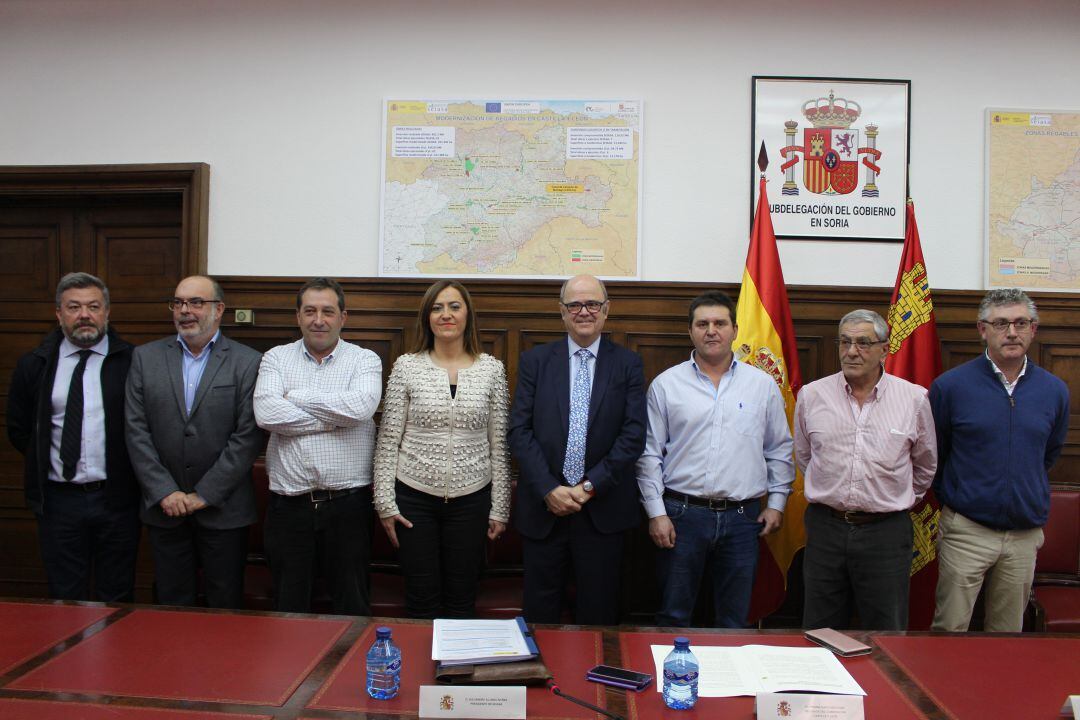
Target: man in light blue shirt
[{"x": 716, "y": 471}]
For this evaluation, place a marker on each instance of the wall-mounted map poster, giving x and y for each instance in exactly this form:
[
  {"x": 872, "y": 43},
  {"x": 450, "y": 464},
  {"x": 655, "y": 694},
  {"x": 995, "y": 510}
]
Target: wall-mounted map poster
[
  {"x": 1033, "y": 199},
  {"x": 511, "y": 188}
]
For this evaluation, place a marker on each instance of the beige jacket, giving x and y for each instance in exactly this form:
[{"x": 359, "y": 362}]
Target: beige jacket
[{"x": 447, "y": 447}]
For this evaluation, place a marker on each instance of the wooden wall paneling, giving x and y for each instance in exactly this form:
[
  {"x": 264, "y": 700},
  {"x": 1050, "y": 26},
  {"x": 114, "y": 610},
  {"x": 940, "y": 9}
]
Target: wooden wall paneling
[
  {"x": 139, "y": 263},
  {"x": 659, "y": 351},
  {"x": 31, "y": 242}
]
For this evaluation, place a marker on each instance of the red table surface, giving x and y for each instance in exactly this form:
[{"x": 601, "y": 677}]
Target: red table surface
[
  {"x": 27, "y": 630},
  {"x": 990, "y": 677},
  {"x": 49, "y": 710},
  {"x": 883, "y": 699},
  {"x": 192, "y": 656},
  {"x": 567, "y": 653}
]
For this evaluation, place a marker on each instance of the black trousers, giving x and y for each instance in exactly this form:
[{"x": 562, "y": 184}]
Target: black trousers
[
  {"x": 595, "y": 558},
  {"x": 82, "y": 535},
  {"x": 180, "y": 551},
  {"x": 865, "y": 568},
  {"x": 442, "y": 555},
  {"x": 330, "y": 538}
]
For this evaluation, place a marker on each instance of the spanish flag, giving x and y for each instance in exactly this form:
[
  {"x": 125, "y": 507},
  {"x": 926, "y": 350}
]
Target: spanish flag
[
  {"x": 915, "y": 355},
  {"x": 767, "y": 340}
]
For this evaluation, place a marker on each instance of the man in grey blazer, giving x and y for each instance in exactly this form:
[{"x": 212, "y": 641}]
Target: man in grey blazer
[{"x": 192, "y": 438}]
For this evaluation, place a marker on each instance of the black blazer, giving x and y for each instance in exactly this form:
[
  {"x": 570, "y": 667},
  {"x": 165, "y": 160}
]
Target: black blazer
[
  {"x": 29, "y": 418},
  {"x": 540, "y": 422}
]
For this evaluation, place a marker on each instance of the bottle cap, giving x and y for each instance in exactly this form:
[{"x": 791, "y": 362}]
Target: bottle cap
[
  {"x": 382, "y": 632},
  {"x": 682, "y": 642}
]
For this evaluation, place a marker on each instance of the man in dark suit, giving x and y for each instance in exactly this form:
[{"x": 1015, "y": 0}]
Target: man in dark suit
[
  {"x": 66, "y": 415},
  {"x": 577, "y": 427},
  {"x": 192, "y": 437}
]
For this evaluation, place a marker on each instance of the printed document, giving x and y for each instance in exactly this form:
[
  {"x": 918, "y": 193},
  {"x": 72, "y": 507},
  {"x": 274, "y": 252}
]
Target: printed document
[
  {"x": 473, "y": 642},
  {"x": 753, "y": 669}
]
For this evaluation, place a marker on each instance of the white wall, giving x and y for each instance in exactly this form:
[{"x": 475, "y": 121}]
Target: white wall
[{"x": 283, "y": 100}]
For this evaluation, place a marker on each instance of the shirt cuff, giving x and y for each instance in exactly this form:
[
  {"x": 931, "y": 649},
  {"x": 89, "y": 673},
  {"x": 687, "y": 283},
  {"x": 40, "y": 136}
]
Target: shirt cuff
[
  {"x": 777, "y": 501},
  {"x": 654, "y": 507}
]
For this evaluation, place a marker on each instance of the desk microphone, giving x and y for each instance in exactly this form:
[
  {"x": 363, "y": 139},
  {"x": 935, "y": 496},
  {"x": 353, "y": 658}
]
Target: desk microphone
[{"x": 578, "y": 701}]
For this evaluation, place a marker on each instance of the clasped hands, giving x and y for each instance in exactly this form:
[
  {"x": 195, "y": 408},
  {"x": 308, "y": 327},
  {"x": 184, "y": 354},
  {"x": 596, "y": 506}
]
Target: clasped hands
[
  {"x": 182, "y": 504},
  {"x": 565, "y": 500}
]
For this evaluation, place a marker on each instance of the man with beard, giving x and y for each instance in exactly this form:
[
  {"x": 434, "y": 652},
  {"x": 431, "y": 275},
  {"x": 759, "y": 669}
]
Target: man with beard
[
  {"x": 65, "y": 414},
  {"x": 192, "y": 438}
]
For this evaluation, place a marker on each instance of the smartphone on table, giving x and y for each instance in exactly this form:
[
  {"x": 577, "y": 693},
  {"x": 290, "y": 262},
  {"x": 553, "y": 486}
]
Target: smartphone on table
[{"x": 619, "y": 677}]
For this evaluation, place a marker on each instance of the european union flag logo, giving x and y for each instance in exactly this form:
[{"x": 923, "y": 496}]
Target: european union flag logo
[{"x": 493, "y": 107}]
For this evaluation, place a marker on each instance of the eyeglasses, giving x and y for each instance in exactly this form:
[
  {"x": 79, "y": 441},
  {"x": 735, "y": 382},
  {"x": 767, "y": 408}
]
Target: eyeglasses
[
  {"x": 593, "y": 306},
  {"x": 1021, "y": 324},
  {"x": 192, "y": 303},
  {"x": 861, "y": 344}
]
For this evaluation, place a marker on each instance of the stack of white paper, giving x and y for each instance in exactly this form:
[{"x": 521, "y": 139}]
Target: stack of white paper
[
  {"x": 753, "y": 669},
  {"x": 478, "y": 642}
]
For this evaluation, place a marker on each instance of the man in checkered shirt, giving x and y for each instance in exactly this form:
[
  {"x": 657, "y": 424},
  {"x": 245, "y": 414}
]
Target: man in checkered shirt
[{"x": 316, "y": 397}]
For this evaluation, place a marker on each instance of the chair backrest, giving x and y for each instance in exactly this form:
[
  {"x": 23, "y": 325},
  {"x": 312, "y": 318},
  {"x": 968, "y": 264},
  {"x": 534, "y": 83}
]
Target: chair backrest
[
  {"x": 261, "y": 480},
  {"x": 1060, "y": 552}
]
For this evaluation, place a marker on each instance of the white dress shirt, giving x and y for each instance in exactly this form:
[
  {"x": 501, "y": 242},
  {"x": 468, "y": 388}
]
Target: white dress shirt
[
  {"x": 91, "y": 465},
  {"x": 319, "y": 415}
]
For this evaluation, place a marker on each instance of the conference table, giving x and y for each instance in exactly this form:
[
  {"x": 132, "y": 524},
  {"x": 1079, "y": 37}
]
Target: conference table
[{"x": 67, "y": 661}]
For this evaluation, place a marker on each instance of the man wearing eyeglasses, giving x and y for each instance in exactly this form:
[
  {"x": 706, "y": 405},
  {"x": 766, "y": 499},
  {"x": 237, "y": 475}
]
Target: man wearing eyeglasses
[
  {"x": 576, "y": 428},
  {"x": 1001, "y": 424},
  {"x": 192, "y": 437},
  {"x": 65, "y": 414},
  {"x": 865, "y": 442}
]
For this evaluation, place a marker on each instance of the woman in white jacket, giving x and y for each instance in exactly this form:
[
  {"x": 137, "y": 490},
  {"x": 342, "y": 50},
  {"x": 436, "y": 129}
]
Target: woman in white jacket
[{"x": 442, "y": 479}]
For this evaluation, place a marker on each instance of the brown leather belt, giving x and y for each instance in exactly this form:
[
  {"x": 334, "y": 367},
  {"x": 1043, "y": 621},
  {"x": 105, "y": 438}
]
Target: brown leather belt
[
  {"x": 859, "y": 517},
  {"x": 717, "y": 504}
]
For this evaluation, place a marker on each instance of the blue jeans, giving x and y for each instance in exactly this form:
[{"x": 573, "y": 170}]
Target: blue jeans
[{"x": 725, "y": 541}]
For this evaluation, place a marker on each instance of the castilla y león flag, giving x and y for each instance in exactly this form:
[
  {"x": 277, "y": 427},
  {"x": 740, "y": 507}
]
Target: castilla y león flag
[
  {"x": 915, "y": 355},
  {"x": 767, "y": 340}
]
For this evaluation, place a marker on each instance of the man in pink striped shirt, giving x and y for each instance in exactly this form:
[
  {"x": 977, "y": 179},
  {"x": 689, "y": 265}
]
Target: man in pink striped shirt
[{"x": 865, "y": 442}]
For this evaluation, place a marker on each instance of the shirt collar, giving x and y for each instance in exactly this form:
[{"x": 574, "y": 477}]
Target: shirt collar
[
  {"x": 878, "y": 389},
  {"x": 573, "y": 347},
  {"x": 101, "y": 347},
  {"x": 209, "y": 346},
  {"x": 693, "y": 360},
  {"x": 1001, "y": 375},
  {"x": 312, "y": 358}
]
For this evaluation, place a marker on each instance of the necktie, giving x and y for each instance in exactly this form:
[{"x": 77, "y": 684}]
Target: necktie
[
  {"x": 71, "y": 435},
  {"x": 574, "y": 463}
]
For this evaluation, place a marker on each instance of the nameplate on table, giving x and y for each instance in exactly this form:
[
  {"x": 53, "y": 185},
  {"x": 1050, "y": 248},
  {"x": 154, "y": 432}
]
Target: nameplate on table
[
  {"x": 502, "y": 702},
  {"x": 800, "y": 706}
]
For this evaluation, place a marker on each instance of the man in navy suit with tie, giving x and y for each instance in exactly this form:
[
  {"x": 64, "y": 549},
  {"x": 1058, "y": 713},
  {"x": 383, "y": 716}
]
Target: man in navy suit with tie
[{"x": 577, "y": 428}]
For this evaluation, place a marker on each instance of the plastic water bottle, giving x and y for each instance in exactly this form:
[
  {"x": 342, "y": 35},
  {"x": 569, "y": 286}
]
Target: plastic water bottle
[
  {"x": 383, "y": 666},
  {"x": 680, "y": 676}
]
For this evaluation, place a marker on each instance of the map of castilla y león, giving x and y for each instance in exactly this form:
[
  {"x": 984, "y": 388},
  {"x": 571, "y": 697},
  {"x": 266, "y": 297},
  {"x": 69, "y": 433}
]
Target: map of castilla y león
[{"x": 524, "y": 188}]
